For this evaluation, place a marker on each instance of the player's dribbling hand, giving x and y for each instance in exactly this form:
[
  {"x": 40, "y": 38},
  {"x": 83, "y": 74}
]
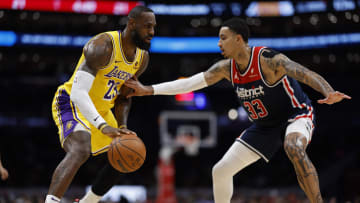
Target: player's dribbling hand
[
  {"x": 116, "y": 132},
  {"x": 139, "y": 89},
  {"x": 4, "y": 173},
  {"x": 125, "y": 131},
  {"x": 333, "y": 97}
]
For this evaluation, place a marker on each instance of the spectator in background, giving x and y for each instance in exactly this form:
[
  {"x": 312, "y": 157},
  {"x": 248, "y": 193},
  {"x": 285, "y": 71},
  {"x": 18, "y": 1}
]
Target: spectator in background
[{"x": 3, "y": 172}]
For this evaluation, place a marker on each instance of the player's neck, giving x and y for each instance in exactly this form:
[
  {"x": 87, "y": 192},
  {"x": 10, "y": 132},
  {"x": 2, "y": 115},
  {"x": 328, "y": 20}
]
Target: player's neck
[
  {"x": 128, "y": 46},
  {"x": 242, "y": 58}
]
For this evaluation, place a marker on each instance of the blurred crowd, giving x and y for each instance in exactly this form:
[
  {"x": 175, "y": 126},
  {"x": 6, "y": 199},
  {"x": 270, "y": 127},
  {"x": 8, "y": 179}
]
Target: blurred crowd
[{"x": 252, "y": 196}]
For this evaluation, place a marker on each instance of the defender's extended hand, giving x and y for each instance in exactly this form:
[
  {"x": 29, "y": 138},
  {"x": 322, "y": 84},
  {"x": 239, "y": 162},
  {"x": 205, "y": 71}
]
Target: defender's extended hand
[
  {"x": 334, "y": 97},
  {"x": 139, "y": 89},
  {"x": 116, "y": 132}
]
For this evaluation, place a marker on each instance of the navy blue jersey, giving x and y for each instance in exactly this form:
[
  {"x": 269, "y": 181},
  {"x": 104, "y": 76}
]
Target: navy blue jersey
[{"x": 269, "y": 105}]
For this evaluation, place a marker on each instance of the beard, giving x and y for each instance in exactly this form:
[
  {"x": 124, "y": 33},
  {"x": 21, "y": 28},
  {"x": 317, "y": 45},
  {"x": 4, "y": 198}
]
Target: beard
[{"x": 139, "y": 42}]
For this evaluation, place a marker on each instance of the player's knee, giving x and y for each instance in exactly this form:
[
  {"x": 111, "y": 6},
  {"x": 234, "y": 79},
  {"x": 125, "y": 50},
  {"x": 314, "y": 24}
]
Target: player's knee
[
  {"x": 217, "y": 171},
  {"x": 80, "y": 154},
  {"x": 294, "y": 146},
  {"x": 78, "y": 146}
]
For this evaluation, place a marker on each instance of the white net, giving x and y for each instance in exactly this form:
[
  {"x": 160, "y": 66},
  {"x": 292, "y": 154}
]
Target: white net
[{"x": 190, "y": 143}]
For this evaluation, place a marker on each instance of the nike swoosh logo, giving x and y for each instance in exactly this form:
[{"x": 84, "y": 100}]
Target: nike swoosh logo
[
  {"x": 54, "y": 199},
  {"x": 96, "y": 118}
]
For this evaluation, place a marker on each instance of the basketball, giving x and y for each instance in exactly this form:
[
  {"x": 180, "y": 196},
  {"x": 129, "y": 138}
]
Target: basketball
[{"x": 127, "y": 153}]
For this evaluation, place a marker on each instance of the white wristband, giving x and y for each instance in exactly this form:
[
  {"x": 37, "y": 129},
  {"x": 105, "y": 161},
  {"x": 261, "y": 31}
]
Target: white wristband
[
  {"x": 80, "y": 96},
  {"x": 181, "y": 86}
]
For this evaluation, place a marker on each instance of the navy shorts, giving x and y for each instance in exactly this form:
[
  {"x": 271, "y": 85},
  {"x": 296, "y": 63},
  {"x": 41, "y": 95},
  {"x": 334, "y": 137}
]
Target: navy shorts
[{"x": 264, "y": 141}]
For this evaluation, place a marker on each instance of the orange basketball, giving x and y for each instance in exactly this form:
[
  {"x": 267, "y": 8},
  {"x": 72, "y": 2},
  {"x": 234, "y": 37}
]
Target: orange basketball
[{"x": 127, "y": 153}]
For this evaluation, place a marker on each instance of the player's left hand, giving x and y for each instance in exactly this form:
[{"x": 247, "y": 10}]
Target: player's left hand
[
  {"x": 116, "y": 132},
  {"x": 333, "y": 97},
  {"x": 125, "y": 131}
]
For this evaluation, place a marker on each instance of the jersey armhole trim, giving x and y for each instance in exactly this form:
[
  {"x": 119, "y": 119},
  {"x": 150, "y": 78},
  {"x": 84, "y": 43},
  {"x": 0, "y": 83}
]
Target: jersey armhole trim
[
  {"x": 261, "y": 72},
  {"x": 142, "y": 52}
]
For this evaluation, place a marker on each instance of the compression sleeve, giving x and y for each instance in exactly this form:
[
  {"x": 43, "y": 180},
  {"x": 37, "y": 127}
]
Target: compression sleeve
[
  {"x": 181, "y": 86},
  {"x": 80, "y": 96}
]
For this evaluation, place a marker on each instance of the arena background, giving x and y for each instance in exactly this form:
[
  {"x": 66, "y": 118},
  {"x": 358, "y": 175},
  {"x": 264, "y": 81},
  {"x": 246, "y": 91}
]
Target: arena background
[{"x": 32, "y": 66}]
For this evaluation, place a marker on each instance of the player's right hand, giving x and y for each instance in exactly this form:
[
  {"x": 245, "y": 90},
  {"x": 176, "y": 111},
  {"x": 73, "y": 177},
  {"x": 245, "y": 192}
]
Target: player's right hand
[
  {"x": 139, "y": 89},
  {"x": 115, "y": 132}
]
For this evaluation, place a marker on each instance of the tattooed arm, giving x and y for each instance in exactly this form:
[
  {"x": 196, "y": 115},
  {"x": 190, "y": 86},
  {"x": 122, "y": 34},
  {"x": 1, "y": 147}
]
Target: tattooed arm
[
  {"x": 281, "y": 65},
  {"x": 216, "y": 72}
]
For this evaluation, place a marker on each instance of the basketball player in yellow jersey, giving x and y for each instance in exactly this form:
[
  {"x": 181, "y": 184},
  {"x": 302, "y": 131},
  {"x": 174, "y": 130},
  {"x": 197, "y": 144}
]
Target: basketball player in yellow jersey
[{"x": 82, "y": 106}]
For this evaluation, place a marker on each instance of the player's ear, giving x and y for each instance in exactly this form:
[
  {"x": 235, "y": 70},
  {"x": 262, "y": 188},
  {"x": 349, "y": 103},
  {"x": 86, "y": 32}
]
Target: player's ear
[
  {"x": 131, "y": 23},
  {"x": 239, "y": 38}
]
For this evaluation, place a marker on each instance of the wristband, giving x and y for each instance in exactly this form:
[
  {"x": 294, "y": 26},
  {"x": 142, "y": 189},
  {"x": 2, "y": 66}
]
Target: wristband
[
  {"x": 122, "y": 126},
  {"x": 102, "y": 126}
]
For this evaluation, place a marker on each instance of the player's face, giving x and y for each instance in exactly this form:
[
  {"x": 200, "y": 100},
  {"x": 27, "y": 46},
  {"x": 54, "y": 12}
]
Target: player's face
[
  {"x": 227, "y": 40},
  {"x": 144, "y": 30}
]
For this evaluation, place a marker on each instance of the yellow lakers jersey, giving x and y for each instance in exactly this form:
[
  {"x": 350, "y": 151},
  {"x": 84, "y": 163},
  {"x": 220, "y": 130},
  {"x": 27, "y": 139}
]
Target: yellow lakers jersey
[{"x": 109, "y": 79}]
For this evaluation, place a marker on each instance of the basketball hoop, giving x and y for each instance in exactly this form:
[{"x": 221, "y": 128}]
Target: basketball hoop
[
  {"x": 190, "y": 143},
  {"x": 201, "y": 125},
  {"x": 188, "y": 130}
]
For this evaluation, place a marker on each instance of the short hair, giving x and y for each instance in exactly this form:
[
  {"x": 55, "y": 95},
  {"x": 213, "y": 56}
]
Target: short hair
[
  {"x": 238, "y": 26},
  {"x": 136, "y": 11}
]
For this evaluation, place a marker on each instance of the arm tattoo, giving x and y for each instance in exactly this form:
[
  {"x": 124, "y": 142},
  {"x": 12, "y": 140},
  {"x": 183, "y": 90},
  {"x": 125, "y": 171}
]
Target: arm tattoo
[
  {"x": 300, "y": 73},
  {"x": 268, "y": 56},
  {"x": 217, "y": 72}
]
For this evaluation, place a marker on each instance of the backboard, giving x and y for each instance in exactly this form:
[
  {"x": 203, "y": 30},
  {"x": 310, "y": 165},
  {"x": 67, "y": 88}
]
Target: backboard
[{"x": 199, "y": 125}]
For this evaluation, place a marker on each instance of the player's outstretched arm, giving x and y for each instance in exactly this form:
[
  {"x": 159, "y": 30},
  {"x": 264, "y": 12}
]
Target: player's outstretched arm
[
  {"x": 138, "y": 87},
  {"x": 214, "y": 74},
  {"x": 218, "y": 71},
  {"x": 280, "y": 62}
]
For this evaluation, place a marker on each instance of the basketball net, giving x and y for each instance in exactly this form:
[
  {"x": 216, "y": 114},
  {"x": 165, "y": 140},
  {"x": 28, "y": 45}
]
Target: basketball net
[{"x": 190, "y": 143}]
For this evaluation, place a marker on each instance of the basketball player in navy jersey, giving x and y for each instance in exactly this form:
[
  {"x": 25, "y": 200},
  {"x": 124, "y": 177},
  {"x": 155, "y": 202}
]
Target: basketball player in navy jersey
[{"x": 265, "y": 82}]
